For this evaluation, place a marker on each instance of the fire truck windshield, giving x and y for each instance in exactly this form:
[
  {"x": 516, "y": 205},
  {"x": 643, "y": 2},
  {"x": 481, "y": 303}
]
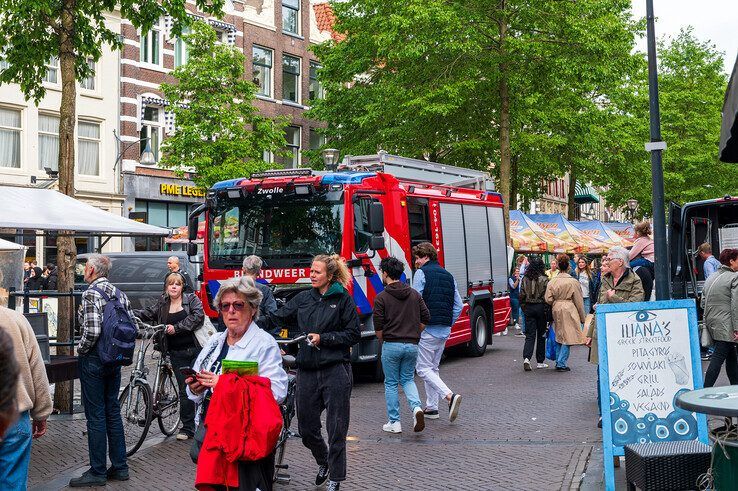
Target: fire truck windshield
[{"x": 285, "y": 231}]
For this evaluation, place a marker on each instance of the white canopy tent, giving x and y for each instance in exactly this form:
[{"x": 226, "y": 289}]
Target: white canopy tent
[
  {"x": 50, "y": 210},
  {"x": 11, "y": 268}
]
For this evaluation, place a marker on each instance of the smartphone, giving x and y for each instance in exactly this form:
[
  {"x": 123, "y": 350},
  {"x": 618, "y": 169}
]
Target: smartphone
[{"x": 188, "y": 372}]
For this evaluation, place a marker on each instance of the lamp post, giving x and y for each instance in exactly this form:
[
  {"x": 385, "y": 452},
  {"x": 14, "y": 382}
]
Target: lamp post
[
  {"x": 147, "y": 156},
  {"x": 330, "y": 158},
  {"x": 656, "y": 146},
  {"x": 632, "y": 205}
]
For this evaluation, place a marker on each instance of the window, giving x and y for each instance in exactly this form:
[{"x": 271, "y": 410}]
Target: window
[
  {"x": 89, "y": 82},
  {"x": 292, "y": 135},
  {"x": 151, "y": 129},
  {"x": 10, "y": 138},
  {"x": 362, "y": 234},
  {"x": 290, "y": 78},
  {"x": 316, "y": 88},
  {"x": 181, "y": 50},
  {"x": 150, "y": 46},
  {"x": 316, "y": 140},
  {"x": 161, "y": 214},
  {"x": 417, "y": 215},
  {"x": 88, "y": 143},
  {"x": 48, "y": 142},
  {"x": 291, "y": 16},
  {"x": 52, "y": 71},
  {"x": 3, "y": 63},
  {"x": 262, "y": 71}
]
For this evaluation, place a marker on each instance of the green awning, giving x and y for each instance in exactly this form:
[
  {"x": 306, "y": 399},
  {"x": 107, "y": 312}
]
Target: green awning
[{"x": 584, "y": 193}]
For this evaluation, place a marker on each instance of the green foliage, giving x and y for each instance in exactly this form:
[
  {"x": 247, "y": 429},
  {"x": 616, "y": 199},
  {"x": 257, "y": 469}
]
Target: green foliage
[
  {"x": 33, "y": 31},
  {"x": 691, "y": 91},
  {"x": 219, "y": 133}
]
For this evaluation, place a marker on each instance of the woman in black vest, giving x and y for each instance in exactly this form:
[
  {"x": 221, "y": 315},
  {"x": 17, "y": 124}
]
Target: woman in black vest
[
  {"x": 183, "y": 314},
  {"x": 532, "y": 292},
  {"x": 327, "y": 314}
]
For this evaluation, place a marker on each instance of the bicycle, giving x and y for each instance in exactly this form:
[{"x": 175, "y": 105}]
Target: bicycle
[
  {"x": 288, "y": 412},
  {"x": 141, "y": 402}
]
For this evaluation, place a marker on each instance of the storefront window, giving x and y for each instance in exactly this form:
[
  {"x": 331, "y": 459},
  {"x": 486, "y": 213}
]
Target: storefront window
[{"x": 161, "y": 214}]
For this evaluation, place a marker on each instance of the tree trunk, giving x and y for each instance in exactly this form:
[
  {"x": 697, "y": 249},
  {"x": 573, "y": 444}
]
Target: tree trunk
[
  {"x": 514, "y": 184},
  {"x": 570, "y": 204},
  {"x": 65, "y": 245},
  {"x": 504, "y": 118}
]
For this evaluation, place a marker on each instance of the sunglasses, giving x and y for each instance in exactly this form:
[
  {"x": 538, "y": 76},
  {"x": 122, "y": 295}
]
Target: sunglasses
[{"x": 237, "y": 306}]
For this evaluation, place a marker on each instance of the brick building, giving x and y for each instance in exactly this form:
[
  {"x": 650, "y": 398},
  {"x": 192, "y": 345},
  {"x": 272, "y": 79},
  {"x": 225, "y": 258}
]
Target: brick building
[{"x": 276, "y": 39}]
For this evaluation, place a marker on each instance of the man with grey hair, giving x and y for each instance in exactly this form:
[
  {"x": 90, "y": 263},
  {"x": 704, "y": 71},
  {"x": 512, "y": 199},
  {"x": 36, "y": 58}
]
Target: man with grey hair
[
  {"x": 621, "y": 284},
  {"x": 174, "y": 267},
  {"x": 252, "y": 269},
  {"x": 100, "y": 383}
]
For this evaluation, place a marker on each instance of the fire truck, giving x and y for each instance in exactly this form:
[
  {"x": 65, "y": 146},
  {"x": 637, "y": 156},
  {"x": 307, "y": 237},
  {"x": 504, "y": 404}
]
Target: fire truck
[{"x": 370, "y": 208}]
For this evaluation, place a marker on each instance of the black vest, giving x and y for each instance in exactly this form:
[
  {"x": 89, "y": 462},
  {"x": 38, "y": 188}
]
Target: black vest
[{"x": 438, "y": 294}]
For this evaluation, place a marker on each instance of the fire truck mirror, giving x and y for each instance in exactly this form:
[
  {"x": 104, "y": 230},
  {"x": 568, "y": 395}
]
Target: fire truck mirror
[
  {"x": 191, "y": 249},
  {"x": 376, "y": 219},
  {"x": 376, "y": 242}
]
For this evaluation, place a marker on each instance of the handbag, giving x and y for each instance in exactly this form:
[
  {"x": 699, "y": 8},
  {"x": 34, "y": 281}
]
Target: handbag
[
  {"x": 205, "y": 332},
  {"x": 551, "y": 343},
  {"x": 197, "y": 440}
]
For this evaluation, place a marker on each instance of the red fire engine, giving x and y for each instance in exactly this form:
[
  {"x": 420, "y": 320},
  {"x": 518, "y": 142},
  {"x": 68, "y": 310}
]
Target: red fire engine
[{"x": 372, "y": 207}]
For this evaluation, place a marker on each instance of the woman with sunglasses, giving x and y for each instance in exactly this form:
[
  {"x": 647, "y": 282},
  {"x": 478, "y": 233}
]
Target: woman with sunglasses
[
  {"x": 182, "y": 313},
  {"x": 238, "y": 301},
  {"x": 327, "y": 314}
]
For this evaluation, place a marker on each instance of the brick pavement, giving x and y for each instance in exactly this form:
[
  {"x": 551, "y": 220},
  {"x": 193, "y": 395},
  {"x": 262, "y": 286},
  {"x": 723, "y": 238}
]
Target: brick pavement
[{"x": 516, "y": 430}]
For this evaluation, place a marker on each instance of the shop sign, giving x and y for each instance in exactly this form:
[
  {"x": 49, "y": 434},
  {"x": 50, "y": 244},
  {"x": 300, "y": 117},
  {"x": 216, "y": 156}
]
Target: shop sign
[{"x": 181, "y": 190}]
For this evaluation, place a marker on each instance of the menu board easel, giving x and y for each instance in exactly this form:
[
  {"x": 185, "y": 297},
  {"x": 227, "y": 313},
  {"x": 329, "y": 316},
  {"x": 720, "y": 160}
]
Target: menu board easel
[{"x": 649, "y": 353}]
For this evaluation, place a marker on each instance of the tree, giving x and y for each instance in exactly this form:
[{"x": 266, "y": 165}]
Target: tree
[
  {"x": 472, "y": 83},
  {"x": 34, "y": 31},
  {"x": 691, "y": 90},
  {"x": 219, "y": 132}
]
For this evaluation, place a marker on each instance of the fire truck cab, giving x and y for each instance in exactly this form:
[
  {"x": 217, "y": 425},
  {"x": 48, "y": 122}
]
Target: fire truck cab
[{"x": 372, "y": 207}]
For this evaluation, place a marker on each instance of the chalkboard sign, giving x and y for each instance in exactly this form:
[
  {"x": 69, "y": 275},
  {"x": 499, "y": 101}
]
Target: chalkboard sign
[{"x": 649, "y": 353}]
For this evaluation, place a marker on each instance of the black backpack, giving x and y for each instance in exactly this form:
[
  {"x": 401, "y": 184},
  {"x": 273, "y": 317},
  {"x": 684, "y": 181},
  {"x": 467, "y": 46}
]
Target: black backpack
[{"x": 117, "y": 339}]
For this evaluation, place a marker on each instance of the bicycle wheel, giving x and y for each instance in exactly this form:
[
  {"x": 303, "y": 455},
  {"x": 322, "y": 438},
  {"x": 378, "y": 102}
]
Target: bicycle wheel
[
  {"x": 136, "y": 414},
  {"x": 279, "y": 453},
  {"x": 167, "y": 402}
]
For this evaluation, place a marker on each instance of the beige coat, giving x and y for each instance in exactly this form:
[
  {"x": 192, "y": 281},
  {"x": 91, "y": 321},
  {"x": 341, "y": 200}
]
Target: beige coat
[
  {"x": 33, "y": 390},
  {"x": 564, "y": 294}
]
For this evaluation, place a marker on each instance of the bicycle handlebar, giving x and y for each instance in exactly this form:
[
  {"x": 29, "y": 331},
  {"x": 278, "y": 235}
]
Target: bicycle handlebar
[
  {"x": 291, "y": 341},
  {"x": 148, "y": 329}
]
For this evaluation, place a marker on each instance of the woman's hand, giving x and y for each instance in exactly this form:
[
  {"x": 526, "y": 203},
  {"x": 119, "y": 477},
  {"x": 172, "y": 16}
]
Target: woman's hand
[
  {"x": 588, "y": 342},
  {"x": 208, "y": 379},
  {"x": 195, "y": 386},
  {"x": 170, "y": 330}
]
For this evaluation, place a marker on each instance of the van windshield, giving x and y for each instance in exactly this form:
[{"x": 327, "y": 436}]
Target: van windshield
[{"x": 284, "y": 231}]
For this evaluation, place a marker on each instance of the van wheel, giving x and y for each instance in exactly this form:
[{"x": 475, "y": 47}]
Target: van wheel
[{"x": 478, "y": 344}]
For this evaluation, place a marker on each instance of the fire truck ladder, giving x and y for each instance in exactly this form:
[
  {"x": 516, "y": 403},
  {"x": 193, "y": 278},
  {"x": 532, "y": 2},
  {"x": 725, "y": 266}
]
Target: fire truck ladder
[{"x": 421, "y": 171}]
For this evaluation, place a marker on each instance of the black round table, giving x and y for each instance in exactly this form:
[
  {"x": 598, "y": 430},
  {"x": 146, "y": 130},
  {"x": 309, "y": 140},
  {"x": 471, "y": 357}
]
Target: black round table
[{"x": 717, "y": 401}]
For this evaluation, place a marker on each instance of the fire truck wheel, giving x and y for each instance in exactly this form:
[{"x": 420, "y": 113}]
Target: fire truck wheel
[{"x": 478, "y": 344}]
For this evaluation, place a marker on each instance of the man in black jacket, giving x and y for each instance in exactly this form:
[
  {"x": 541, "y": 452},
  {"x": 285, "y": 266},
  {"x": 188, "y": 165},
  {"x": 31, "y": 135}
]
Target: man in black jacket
[{"x": 400, "y": 315}]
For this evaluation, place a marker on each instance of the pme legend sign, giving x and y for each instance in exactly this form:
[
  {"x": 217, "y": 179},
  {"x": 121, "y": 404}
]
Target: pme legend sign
[{"x": 181, "y": 190}]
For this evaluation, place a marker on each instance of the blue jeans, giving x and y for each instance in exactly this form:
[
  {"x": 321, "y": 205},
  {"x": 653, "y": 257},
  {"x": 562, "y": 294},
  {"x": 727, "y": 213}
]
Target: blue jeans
[
  {"x": 522, "y": 320},
  {"x": 515, "y": 308},
  {"x": 641, "y": 261},
  {"x": 100, "y": 387},
  {"x": 562, "y": 354},
  {"x": 15, "y": 454},
  {"x": 398, "y": 362},
  {"x": 587, "y": 306}
]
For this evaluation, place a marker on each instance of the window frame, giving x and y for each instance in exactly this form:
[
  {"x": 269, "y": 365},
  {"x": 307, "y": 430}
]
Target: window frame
[
  {"x": 269, "y": 68},
  {"x": 151, "y": 124},
  {"x": 314, "y": 67},
  {"x": 298, "y": 78},
  {"x": 296, "y": 11},
  {"x": 19, "y": 131},
  {"x": 84, "y": 84},
  {"x": 40, "y": 133},
  {"x": 181, "y": 49},
  {"x": 146, "y": 47},
  {"x": 97, "y": 140},
  {"x": 296, "y": 159},
  {"x": 52, "y": 66}
]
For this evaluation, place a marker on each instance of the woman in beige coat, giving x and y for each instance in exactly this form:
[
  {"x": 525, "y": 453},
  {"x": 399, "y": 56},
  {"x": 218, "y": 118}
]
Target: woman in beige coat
[{"x": 564, "y": 294}]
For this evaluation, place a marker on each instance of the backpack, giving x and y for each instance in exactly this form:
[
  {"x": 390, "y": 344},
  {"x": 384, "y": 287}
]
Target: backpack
[{"x": 117, "y": 339}]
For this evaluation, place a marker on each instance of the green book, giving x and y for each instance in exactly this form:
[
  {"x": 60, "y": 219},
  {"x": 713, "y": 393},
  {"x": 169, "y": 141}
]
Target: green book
[{"x": 246, "y": 367}]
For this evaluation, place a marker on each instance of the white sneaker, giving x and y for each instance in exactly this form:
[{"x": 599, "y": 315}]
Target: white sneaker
[
  {"x": 542, "y": 365},
  {"x": 517, "y": 327},
  {"x": 504, "y": 333},
  {"x": 526, "y": 365},
  {"x": 418, "y": 420},
  {"x": 393, "y": 427}
]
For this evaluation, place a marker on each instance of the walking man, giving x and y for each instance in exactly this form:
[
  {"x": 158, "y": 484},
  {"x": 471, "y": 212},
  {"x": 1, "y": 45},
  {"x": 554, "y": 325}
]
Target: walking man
[
  {"x": 173, "y": 265},
  {"x": 710, "y": 264},
  {"x": 441, "y": 296},
  {"x": 252, "y": 268},
  {"x": 32, "y": 398},
  {"x": 399, "y": 317},
  {"x": 100, "y": 383}
]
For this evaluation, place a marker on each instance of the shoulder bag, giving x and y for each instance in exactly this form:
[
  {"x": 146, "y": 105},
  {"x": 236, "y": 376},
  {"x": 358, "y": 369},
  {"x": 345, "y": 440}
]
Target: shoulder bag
[{"x": 205, "y": 332}]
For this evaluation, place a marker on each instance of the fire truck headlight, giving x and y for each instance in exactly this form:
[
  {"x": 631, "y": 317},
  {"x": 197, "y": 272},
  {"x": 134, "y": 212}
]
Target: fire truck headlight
[{"x": 234, "y": 193}]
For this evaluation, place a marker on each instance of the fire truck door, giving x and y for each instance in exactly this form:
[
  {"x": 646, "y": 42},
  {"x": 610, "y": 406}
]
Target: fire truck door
[{"x": 454, "y": 245}]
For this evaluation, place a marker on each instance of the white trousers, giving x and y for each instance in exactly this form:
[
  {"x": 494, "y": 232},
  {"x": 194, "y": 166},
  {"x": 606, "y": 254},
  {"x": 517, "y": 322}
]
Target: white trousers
[{"x": 430, "y": 351}]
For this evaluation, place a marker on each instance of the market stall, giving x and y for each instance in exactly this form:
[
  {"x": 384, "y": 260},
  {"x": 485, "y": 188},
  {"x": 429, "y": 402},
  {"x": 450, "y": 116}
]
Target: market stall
[
  {"x": 527, "y": 237},
  {"x": 625, "y": 231},
  {"x": 576, "y": 241},
  {"x": 598, "y": 231}
]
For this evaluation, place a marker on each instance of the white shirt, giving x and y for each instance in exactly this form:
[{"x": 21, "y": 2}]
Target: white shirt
[
  {"x": 584, "y": 283},
  {"x": 255, "y": 345}
]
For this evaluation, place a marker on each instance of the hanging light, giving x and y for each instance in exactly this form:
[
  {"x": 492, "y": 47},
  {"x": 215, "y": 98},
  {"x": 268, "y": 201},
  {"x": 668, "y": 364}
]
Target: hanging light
[
  {"x": 147, "y": 156},
  {"x": 330, "y": 158}
]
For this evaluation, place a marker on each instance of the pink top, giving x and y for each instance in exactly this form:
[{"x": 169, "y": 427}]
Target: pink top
[{"x": 643, "y": 246}]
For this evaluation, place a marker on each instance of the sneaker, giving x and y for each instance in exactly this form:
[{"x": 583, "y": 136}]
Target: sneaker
[
  {"x": 88, "y": 480},
  {"x": 418, "y": 420},
  {"x": 182, "y": 435},
  {"x": 392, "y": 427},
  {"x": 519, "y": 334},
  {"x": 517, "y": 326},
  {"x": 705, "y": 357},
  {"x": 504, "y": 333},
  {"x": 453, "y": 407},
  {"x": 322, "y": 475},
  {"x": 599, "y": 423},
  {"x": 114, "y": 475},
  {"x": 526, "y": 365},
  {"x": 431, "y": 413},
  {"x": 333, "y": 486},
  {"x": 542, "y": 365},
  {"x": 563, "y": 369}
]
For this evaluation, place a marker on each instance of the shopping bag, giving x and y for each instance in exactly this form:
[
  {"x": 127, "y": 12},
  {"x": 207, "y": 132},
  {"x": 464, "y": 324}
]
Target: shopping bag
[{"x": 551, "y": 343}]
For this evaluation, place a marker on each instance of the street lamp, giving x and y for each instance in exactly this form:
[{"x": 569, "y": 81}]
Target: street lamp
[
  {"x": 330, "y": 158},
  {"x": 147, "y": 156},
  {"x": 632, "y": 205}
]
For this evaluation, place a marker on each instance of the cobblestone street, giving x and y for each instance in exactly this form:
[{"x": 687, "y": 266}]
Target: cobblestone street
[{"x": 516, "y": 430}]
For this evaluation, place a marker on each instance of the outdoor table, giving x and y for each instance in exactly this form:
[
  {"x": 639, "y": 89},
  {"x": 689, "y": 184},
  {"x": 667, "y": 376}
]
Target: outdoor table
[{"x": 717, "y": 401}]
